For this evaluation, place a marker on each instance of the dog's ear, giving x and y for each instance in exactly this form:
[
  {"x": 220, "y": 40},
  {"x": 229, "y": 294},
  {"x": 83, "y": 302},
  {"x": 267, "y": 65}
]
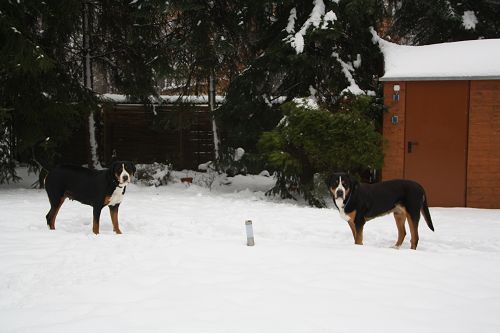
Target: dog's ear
[
  {"x": 131, "y": 167},
  {"x": 354, "y": 182},
  {"x": 328, "y": 180},
  {"x": 110, "y": 172}
]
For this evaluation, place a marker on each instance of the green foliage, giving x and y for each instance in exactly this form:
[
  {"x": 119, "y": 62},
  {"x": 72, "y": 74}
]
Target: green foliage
[
  {"x": 7, "y": 164},
  {"x": 278, "y": 70},
  {"x": 41, "y": 68},
  {"x": 317, "y": 141},
  {"x": 39, "y": 84},
  {"x": 421, "y": 22}
]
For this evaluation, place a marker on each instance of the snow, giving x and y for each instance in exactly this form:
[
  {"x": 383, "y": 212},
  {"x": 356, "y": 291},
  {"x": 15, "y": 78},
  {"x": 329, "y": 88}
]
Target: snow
[
  {"x": 457, "y": 60},
  {"x": 469, "y": 20},
  {"x": 182, "y": 265},
  {"x": 93, "y": 142},
  {"x": 315, "y": 19},
  {"x": 291, "y": 21},
  {"x": 302, "y": 102},
  {"x": 200, "y": 99},
  {"x": 238, "y": 154},
  {"x": 347, "y": 69},
  {"x": 329, "y": 17}
]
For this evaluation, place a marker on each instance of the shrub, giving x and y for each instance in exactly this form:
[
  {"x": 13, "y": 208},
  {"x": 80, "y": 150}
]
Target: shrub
[{"x": 309, "y": 141}]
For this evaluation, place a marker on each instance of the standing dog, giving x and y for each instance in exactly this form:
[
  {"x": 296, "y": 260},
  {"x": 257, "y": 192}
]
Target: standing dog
[
  {"x": 96, "y": 188},
  {"x": 359, "y": 203}
]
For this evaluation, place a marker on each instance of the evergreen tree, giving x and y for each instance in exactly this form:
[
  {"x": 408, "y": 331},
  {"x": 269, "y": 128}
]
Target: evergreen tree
[
  {"x": 309, "y": 141},
  {"x": 129, "y": 42},
  {"x": 421, "y": 22},
  {"x": 41, "y": 74},
  {"x": 39, "y": 83},
  {"x": 316, "y": 48}
]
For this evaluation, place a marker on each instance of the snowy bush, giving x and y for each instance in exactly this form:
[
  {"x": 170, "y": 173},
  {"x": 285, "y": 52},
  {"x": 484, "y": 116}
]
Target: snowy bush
[
  {"x": 313, "y": 141},
  {"x": 7, "y": 164},
  {"x": 233, "y": 161},
  {"x": 156, "y": 174}
]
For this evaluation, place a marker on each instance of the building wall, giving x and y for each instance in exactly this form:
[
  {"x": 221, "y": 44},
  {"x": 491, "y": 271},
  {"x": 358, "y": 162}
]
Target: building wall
[
  {"x": 483, "y": 157},
  {"x": 394, "y": 134},
  {"x": 483, "y": 180}
]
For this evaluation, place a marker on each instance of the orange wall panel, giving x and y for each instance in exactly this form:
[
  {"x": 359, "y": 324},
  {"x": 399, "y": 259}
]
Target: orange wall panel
[
  {"x": 483, "y": 179},
  {"x": 394, "y": 134}
]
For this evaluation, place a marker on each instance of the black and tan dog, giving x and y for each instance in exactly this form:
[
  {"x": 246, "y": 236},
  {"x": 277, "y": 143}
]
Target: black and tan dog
[
  {"x": 359, "y": 203},
  {"x": 96, "y": 188}
]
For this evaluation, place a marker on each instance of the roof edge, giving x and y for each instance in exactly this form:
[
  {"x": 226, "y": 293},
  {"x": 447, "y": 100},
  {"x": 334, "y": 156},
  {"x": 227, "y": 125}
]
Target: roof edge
[{"x": 440, "y": 78}]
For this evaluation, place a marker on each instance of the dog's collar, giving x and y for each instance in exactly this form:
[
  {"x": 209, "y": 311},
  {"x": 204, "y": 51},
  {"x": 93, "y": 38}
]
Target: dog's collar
[
  {"x": 345, "y": 203},
  {"x": 348, "y": 199}
]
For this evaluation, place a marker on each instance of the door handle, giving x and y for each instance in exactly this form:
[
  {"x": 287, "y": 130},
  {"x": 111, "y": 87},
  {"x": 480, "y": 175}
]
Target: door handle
[{"x": 410, "y": 146}]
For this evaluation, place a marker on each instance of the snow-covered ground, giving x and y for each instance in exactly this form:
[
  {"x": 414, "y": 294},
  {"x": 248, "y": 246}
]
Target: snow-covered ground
[{"x": 182, "y": 265}]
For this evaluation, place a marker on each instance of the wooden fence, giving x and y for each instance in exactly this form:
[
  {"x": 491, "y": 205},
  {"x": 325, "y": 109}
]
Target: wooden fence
[{"x": 181, "y": 135}]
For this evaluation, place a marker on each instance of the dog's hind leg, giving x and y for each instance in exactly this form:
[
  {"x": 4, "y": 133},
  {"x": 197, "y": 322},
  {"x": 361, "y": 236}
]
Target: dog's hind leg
[
  {"x": 413, "y": 223},
  {"x": 113, "y": 211},
  {"x": 400, "y": 218},
  {"x": 55, "y": 205},
  {"x": 96, "y": 215}
]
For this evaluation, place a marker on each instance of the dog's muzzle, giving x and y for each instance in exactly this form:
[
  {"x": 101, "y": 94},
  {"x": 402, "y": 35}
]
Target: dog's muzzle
[{"x": 339, "y": 194}]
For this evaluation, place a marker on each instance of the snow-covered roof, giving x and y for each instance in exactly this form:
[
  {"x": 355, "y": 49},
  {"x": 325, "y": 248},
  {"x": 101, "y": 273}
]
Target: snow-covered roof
[
  {"x": 467, "y": 60},
  {"x": 169, "y": 99}
]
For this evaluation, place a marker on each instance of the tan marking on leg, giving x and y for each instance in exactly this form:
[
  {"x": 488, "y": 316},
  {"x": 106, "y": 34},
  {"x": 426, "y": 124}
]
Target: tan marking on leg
[
  {"x": 107, "y": 199},
  {"x": 95, "y": 227},
  {"x": 114, "y": 219},
  {"x": 358, "y": 240},
  {"x": 413, "y": 232},
  {"x": 400, "y": 217},
  {"x": 353, "y": 229},
  {"x": 52, "y": 221},
  {"x": 352, "y": 216}
]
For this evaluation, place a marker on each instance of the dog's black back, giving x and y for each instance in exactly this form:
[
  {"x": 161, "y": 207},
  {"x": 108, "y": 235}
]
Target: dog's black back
[
  {"x": 379, "y": 198},
  {"x": 78, "y": 183}
]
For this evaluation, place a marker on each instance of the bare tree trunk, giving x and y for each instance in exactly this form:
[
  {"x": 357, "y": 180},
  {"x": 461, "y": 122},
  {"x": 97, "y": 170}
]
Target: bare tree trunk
[
  {"x": 211, "y": 103},
  {"x": 88, "y": 82}
]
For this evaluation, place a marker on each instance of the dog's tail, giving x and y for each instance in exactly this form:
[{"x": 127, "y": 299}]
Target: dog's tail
[
  {"x": 427, "y": 214},
  {"x": 43, "y": 169}
]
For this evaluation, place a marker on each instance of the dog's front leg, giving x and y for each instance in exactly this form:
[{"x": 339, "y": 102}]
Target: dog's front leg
[
  {"x": 359, "y": 223},
  {"x": 97, "y": 215},
  {"x": 353, "y": 229},
  {"x": 351, "y": 220},
  {"x": 113, "y": 211}
]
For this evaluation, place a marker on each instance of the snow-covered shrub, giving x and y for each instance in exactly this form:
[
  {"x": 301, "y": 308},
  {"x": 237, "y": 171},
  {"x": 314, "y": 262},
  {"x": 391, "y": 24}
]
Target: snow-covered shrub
[
  {"x": 156, "y": 174},
  {"x": 209, "y": 176},
  {"x": 311, "y": 141},
  {"x": 233, "y": 161},
  {"x": 7, "y": 164}
]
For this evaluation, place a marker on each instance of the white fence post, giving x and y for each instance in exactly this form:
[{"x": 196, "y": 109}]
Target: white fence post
[{"x": 250, "y": 239}]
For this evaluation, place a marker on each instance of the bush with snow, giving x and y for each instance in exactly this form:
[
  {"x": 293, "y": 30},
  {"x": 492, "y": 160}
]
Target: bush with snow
[
  {"x": 155, "y": 174},
  {"x": 317, "y": 141}
]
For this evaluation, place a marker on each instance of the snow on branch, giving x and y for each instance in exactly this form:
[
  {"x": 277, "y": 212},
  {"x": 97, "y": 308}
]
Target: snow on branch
[
  {"x": 315, "y": 19},
  {"x": 347, "y": 69}
]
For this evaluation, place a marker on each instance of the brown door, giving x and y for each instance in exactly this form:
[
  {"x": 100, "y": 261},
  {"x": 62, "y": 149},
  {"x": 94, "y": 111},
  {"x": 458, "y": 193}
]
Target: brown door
[{"x": 436, "y": 139}]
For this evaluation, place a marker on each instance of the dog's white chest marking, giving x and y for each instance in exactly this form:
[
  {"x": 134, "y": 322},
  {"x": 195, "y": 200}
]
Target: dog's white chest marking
[
  {"x": 340, "y": 204},
  {"x": 340, "y": 201},
  {"x": 117, "y": 196}
]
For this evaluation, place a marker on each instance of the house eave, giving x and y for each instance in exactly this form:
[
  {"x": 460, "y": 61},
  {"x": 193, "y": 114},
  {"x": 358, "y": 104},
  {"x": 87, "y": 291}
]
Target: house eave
[{"x": 438, "y": 78}]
